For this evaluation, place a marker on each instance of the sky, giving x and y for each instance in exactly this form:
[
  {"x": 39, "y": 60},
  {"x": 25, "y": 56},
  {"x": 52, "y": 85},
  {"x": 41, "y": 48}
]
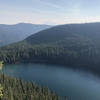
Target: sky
[{"x": 50, "y": 12}]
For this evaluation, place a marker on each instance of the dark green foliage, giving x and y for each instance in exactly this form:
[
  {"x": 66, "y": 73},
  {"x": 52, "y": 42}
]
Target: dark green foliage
[
  {"x": 90, "y": 31},
  {"x": 74, "y": 45},
  {"x": 15, "y": 89}
]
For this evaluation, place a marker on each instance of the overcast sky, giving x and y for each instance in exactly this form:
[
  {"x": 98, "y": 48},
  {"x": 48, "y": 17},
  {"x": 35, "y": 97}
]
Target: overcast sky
[{"x": 49, "y": 11}]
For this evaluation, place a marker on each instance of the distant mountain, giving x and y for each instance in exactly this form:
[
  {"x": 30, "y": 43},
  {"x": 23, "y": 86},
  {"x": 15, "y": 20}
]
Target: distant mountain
[
  {"x": 74, "y": 45},
  {"x": 14, "y": 33}
]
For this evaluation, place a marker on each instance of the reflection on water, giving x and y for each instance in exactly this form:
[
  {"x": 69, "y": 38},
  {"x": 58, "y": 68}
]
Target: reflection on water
[{"x": 66, "y": 82}]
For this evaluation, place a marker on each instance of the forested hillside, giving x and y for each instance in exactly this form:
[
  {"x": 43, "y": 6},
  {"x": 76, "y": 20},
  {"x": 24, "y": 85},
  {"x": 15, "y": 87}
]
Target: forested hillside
[
  {"x": 90, "y": 31},
  {"x": 14, "y": 33},
  {"x": 15, "y": 89},
  {"x": 75, "y": 45}
]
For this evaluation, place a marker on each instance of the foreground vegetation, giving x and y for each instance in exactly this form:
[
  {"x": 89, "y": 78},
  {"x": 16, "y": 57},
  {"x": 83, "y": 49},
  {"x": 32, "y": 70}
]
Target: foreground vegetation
[
  {"x": 77, "y": 46},
  {"x": 15, "y": 89}
]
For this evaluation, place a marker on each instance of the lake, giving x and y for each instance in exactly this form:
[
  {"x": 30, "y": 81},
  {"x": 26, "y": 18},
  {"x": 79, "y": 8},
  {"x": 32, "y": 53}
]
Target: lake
[{"x": 64, "y": 81}]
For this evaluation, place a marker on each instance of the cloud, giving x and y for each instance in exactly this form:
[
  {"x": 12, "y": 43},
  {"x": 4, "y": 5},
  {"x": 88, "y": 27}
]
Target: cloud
[
  {"x": 50, "y": 4},
  {"x": 49, "y": 11}
]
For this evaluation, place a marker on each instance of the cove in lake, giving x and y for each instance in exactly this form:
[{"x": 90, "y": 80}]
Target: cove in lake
[{"x": 64, "y": 81}]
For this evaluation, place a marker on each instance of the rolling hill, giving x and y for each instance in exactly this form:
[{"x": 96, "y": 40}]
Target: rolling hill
[
  {"x": 90, "y": 31},
  {"x": 74, "y": 45},
  {"x": 14, "y": 33}
]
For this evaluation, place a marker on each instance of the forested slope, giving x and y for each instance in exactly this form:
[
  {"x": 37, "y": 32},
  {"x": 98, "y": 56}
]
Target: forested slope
[
  {"x": 14, "y": 33},
  {"x": 75, "y": 45},
  {"x": 15, "y": 89}
]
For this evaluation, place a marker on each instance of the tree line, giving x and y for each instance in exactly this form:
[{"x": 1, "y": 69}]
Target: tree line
[{"x": 83, "y": 55}]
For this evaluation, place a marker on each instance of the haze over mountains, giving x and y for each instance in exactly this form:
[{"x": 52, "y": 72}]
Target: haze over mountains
[
  {"x": 75, "y": 45},
  {"x": 14, "y": 33},
  {"x": 90, "y": 31}
]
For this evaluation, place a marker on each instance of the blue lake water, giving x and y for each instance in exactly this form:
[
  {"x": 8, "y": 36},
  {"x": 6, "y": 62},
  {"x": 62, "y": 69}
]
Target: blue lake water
[{"x": 66, "y": 82}]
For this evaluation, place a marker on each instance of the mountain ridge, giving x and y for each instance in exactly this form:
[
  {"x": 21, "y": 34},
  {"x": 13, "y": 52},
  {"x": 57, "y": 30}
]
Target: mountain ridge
[
  {"x": 17, "y": 32},
  {"x": 76, "y": 45}
]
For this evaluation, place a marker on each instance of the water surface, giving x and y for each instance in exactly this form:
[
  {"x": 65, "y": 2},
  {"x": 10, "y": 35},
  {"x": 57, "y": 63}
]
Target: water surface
[{"x": 66, "y": 82}]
